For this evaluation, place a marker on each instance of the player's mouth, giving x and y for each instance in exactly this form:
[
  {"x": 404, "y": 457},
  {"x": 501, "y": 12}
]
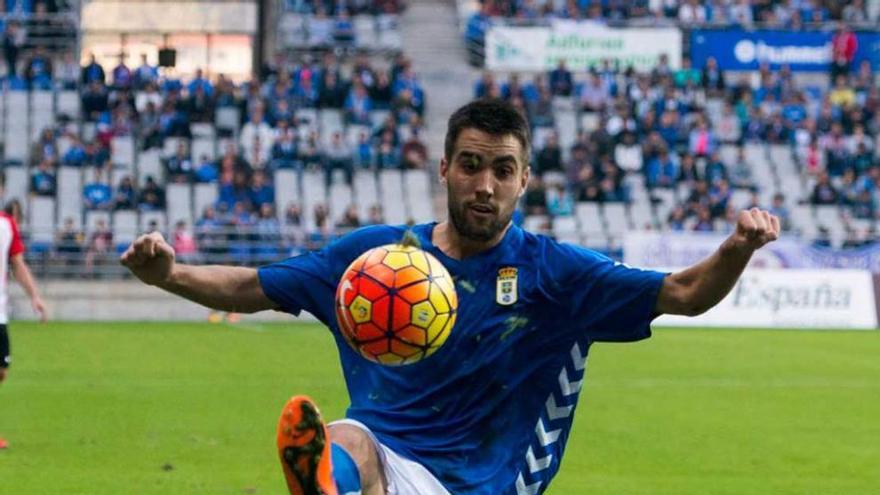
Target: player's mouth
[{"x": 481, "y": 209}]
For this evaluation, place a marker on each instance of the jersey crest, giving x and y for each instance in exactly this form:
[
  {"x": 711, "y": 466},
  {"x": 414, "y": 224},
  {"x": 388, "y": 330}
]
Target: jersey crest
[{"x": 505, "y": 291}]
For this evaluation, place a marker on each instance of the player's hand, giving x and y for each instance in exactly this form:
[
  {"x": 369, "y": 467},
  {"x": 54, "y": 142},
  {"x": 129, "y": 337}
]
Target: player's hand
[
  {"x": 149, "y": 258},
  {"x": 39, "y": 308},
  {"x": 754, "y": 228}
]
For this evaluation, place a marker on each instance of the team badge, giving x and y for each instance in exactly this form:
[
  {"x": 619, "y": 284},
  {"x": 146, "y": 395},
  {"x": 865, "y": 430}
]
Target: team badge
[{"x": 505, "y": 293}]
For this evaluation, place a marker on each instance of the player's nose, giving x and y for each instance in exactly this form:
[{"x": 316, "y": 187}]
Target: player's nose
[{"x": 484, "y": 184}]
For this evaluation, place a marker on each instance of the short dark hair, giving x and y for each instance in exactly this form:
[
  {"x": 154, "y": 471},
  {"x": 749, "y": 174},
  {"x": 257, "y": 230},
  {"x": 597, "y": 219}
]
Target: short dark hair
[{"x": 492, "y": 116}]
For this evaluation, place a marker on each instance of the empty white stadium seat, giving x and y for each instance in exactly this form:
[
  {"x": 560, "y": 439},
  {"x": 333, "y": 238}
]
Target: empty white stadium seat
[
  {"x": 391, "y": 190},
  {"x": 204, "y": 195},
  {"x": 94, "y": 217},
  {"x": 125, "y": 227},
  {"x": 123, "y": 152},
  {"x": 589, "y": 216},
  {"x": 149, "y": 164},
  {"x": 42, "y": 219},
  {"x": 366, "y": 191},
  {"x": 70, "y": 195},
  {"x": 417, "y": 188},
  {"x": 314, "y": 192},
  {"x": 179, "y": 200},
  {"x": 17, "y": 184}
]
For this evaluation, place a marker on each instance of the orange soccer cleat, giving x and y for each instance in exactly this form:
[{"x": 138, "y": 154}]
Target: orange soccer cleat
[{"x": 304, "y": 449}]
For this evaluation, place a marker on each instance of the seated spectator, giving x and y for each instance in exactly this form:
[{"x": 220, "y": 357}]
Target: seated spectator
[
  {"x": 124, "y": 197},
  {"x": 234, "y": 192},
  {"x": 863, "y": 206},
  {"x": 715, "y": 168},
  {"x": 561, "y": 81},
  {"x": 719, "y": 198},
  {"x": 549, "y": 158},
  {"x": 375, "y": 215},
  {"x": 92, "y": 72},
  {"x": 662, "y": 171},
  {"x": 343, "y": 29},
  {"x": 729, "y": 126},
  {"x": 349, "y": 220},
  {"x": 332, "y": 93},
  {"x": 358, "y": 105},
  {"x": 152, "y": 196},
  {"x": 199, "y": 82},
  {"x": 122, "y": 77},
  {"x": 43, "y": 179},
  {"x": 535, "y": 200},
  {"x": 68, "y": 241},
  {"x": 145, "y": 74},
  {"x": 842, "y": 95},
  {"x": 702, "y": 141},
  {"x": 206, "y": 172},
  {"x": 45, "y": 148},
  {"x": 267, "y": 230},
  {"x": 594, "y": 96},
  {"x": 262, "y": 192},
  {"x": 97, "y": 194},
  {"x": 323, "y": 231},
  {"x": 704, "y": 221},
  {"x": 38, "y": 71},
  {"x": 99, "y": 246},
  {"x": 258, "y": 153},
  {"x": 363, "y": 153},
  {"x": 200, "y": 105},
  {"x": 628, "y": 153},
  {"x": 180, "y": 167},
  {"x": 414, "y": 153},
  {"x": 94, "y": 101},
  {"x": 211, "y": 234},
  {"x": 184, "y": 243},
  {"x": 559, "y": 201},
  {"x": 824, "y": 193},
  {"x": 778, "y": 209},
  {"x": 741, "y": 172},
  {"x": 388, "y": 155},
  {"x": 676, "y": 219},
  {"x": 67, "y": 73},
  {"x": 338, "y": 155},
  {"x": 256, "y": 127},
  {"x": 284, "y": 152},
  {"x": 540, "y": 111}
]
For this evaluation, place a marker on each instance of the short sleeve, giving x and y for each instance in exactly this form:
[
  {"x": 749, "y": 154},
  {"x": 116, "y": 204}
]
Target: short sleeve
[
  {"x": 609, "y": 300},
  {"x": 17, "y": 246},
  {"x": 308, "y": 282}
]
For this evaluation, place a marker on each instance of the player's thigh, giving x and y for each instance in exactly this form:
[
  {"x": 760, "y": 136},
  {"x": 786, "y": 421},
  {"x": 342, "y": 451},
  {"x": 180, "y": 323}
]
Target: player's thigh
[
  {"x": 4, "y": 352},
  {"x": 362, "y": 449}
]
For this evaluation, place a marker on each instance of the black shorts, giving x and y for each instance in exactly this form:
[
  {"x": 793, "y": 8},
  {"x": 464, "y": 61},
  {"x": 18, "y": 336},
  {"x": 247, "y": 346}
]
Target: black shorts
[{"x": 5, "y": 358}]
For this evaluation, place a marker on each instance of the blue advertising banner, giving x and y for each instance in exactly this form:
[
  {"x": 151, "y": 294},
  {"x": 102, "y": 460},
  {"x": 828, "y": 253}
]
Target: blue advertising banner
[{"x": 802, "y": 51}]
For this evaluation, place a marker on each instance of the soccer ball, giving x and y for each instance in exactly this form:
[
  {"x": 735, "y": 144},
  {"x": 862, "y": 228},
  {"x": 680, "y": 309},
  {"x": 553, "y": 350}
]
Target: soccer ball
[{"x": 396, "y": 304}]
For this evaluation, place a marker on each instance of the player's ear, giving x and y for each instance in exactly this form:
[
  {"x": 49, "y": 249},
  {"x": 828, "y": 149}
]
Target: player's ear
[
  {"x": 444, "y": 169},
  {"x": 524, "y": 180}
]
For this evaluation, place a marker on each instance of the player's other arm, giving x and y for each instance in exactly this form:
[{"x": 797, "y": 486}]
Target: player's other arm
[
  {"x": 22, "y": 274},
  {"x": 225, "y": 288},
  {"x": 696, "y": 289}
]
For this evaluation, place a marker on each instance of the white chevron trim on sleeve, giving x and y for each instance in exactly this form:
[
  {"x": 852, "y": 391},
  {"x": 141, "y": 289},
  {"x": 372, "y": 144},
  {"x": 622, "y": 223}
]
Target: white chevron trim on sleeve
[
  {"x": 568, "y": 387},
  {"x": 544, "y": 436},
  {"x": 579, "y": 359},
  {"x": 555, "y": 412},
  {"x": 523, "y": 489},
  {"x": 536, "y": 464}
]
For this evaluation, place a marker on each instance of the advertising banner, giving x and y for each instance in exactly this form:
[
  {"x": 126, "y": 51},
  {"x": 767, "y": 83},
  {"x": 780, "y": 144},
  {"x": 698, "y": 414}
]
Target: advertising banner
[
  {"x": 581, "y": 45},
  {"x": 803, "y": 50},
  {"x": 770, "y": 298},
  {"x": 680, "y": 249}
]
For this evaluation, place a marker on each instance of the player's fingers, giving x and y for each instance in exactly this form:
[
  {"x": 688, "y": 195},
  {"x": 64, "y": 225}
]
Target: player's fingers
[
  {"x": 760, "y": 223},
  {"x": 777, "y": 227},
  {"x": 149, "y": 247},
  {"x": 163, "y": 249},
  {"x": 747, "y": 223}
]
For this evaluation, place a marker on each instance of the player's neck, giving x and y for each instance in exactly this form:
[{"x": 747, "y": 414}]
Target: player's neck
[{"x": 456, "y": 246}]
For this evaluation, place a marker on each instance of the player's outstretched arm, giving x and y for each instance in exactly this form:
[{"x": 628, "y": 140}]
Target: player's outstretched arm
[
  {"x": 225, "y": 288},
  {"x": 696, "y": 289}
]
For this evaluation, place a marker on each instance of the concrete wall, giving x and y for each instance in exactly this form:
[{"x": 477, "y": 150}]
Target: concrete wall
[{"x": 114, "y": 301}]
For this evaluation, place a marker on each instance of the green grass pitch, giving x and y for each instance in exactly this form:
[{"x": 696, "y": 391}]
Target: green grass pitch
[{"x": 179, "y": 408}]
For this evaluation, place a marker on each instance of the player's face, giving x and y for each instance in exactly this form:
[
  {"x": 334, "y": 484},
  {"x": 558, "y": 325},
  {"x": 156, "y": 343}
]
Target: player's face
[{"x": 485, "y": 178}]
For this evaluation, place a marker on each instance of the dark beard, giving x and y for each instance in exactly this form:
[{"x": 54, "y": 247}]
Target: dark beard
[{"x": 466, "y": 229}]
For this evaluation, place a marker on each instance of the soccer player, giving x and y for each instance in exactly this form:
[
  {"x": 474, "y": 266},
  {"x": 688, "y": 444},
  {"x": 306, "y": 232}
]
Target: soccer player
[
  {"x": 13, "y": 254},
  {"x": 490, "y": 412}
]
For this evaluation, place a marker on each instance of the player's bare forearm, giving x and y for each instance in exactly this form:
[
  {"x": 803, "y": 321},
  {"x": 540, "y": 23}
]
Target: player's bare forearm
[
  {"x": 23, "y": 275},
  {"x": 225, "y": 288},
  {"x": 697, "y": 289}
]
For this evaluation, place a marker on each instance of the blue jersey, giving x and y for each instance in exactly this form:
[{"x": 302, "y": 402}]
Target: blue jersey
[{"x": 489, "y": 412}]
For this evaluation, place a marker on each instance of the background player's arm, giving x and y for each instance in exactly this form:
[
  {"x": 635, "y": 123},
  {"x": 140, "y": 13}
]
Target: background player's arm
[
  {"x": 225, "y": 288},
  {"x": 22, "y": 274},
  {"x": 696, "y": 289}
]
